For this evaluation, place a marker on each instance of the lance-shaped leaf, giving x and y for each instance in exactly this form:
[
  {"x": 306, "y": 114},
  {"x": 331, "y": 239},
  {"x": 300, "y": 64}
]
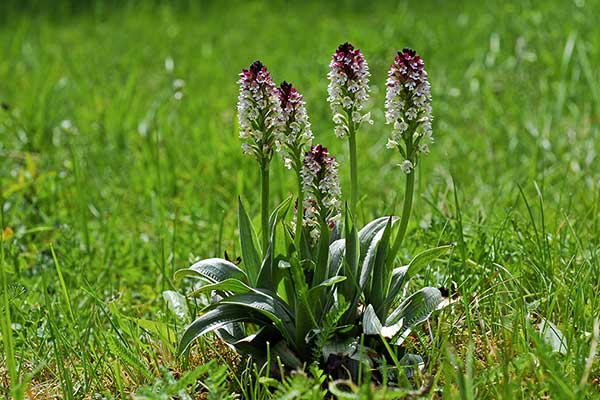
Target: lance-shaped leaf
[
  {"x": 402, "y": 274},
  {"x": 218, "y": 317},
  {"x": 370, "y": 321},
  {"x": 423, "y": 259},
  {"x": 382, "y": 273},
  {"x": 267, "y": 269},
  {"x": 414, "y": 310},
  {"x": 231, "y": 286},
  {"x": 396, "y": 283},
  {"x": 256, "y": 307},
  {"x": 268, "y": 305},
  {"x": 317, "y": 291},
  {"x": 248, "y": 242},
  {"x": 372, "y": 324},
  {"x": 213, "y": 270},
  {"x": 374, "y": 274},
  {"x": 337, "y": 250},
  {"x": 350, "y": 267},
  {"x": 369, "y": 233}
]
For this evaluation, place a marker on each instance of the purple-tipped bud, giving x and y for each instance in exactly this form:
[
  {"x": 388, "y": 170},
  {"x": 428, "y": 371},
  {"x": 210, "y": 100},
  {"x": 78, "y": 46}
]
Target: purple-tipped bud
[
  {"x": 258, "y": 110},
  {"x": 321, "y": 186},
  {"x": 348, "y": 88},
  {"x": 408, "y": 101},
  {"x": 294, "y": 127}
]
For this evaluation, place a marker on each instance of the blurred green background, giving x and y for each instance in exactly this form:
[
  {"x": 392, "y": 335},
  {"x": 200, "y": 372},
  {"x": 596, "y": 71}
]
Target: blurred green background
[{"x": 100, "y": 158}]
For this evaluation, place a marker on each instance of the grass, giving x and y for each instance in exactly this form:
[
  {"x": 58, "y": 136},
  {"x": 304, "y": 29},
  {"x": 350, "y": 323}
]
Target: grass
[{"x": 109, "y": 184}]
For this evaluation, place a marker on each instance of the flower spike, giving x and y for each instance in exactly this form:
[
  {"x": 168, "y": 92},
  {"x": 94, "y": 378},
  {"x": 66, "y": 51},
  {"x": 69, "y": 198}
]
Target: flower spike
[
  {"x": 258, "y": 110},
  {"x": 294, "y": 127},
  {"x": 408, "y": 106},
  {"x": 348, "y": 88},
  {"x": 321, "y": 186}
]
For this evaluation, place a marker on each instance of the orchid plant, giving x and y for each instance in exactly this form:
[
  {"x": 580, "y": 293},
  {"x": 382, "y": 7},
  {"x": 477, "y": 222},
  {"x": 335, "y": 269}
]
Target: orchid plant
[{"x": 315, "y": 285}]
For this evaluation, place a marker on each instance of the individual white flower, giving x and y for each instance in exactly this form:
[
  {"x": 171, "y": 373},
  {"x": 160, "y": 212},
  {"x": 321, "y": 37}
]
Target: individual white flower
[
  {"x": 406, "y": 166},
  {"x": 391, "y": 144}
]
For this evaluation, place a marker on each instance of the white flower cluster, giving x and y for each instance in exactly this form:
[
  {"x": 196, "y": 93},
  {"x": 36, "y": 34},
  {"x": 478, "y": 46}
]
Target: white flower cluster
[
  {"x": 294, "y": 127},
  {"x": 348, "y": 88},
  {"x": 321, "y": 186},
  {"x": 258, "y": 110},
  {"x": 408, "y": 104}
]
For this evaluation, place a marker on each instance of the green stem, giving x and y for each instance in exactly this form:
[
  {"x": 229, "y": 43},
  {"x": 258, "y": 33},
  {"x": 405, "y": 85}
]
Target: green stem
[
  {"x": 406, "y": 208},
  {"x": 6, "y": 318},
  {"x": 408, "y": 196},
  {"x": 353, "y": 170},
  {"x": 299, "y": 215},
  {"x": 264, "y": 186}
]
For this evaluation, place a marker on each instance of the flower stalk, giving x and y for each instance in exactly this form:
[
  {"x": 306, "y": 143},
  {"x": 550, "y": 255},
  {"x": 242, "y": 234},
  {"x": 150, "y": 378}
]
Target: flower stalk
[
  {"x": 353, "y": 169},
  {"x": 259, "y": 110},
  {"x": 348, "y": 94},
  {"x": 408, "y": 109},
  {"x": 292, "y": 137},
  {"x": 264, "y": 202}
]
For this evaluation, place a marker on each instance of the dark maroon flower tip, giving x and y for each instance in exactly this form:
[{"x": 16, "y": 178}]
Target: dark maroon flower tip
[
  {"x": 345, "y": 48},
  {"x": 256, "y": 67},
  {"x": 285, "y": 87},
  {"x": 409, "y": 51},
  {"x": 285, "y": 90},
  {"x": 320, "y": 155},
  {"x": 288, "y": 95}
]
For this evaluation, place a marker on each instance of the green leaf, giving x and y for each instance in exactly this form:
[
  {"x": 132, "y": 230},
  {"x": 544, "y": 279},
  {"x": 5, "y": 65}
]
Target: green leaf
[
  {"x": 212, "y": 269},
  {"x": 401, "y": 275},
  {"x": 232, "y": 332},
  {"x": 370, "y": 321},
  {"x": 396, "y": 283},
  {"x": 220, "y": 316},
  {"x": 248, "y": 241},
  {"x": 286, "y": 355},
  {"x": 230, "y": 285},
  {"x": 337, "y": 250},
  {"x": 422, "y": 259},
  {"x": 368, "y": 233},
  {"x": 126, "y": 355},
  {"x": 266, "y": 273},
  {"x": 416, "y": 309},
  {"x": 315, "y": 291},
  {"x": 382, "y": 273},
  {"x": 350, "y": 289},
  {"x": 269, "y": 306}
]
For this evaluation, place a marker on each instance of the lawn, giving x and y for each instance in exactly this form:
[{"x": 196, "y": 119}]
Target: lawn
[{"x": 120, "y": 163}]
